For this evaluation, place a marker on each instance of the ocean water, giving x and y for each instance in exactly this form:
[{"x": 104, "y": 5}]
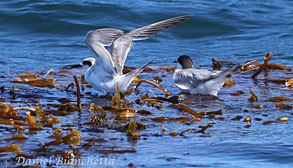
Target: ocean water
[
  {"x": 38, "y": 34},
  {"x": 34, "y": 34}
]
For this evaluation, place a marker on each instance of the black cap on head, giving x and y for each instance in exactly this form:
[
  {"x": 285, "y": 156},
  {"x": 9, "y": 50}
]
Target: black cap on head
[
  {"x": 87, "y": 62},
  {"x": 185, "y": 61}
]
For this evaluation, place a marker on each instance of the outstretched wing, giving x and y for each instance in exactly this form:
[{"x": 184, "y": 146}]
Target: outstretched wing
[
  {"x": 122, "y": 45},
  {"x": 119, "y": 52},
  {"x": 97, "y": 39}
]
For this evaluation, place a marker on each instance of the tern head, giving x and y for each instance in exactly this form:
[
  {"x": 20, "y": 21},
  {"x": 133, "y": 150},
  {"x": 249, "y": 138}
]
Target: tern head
[
  {"x": 185, "y": 62},
  {"x": 88, "y": 62}
]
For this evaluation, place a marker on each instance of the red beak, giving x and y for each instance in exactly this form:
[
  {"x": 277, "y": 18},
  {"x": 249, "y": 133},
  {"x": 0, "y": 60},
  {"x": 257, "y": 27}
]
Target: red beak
[{"x": 175, "y": 61}]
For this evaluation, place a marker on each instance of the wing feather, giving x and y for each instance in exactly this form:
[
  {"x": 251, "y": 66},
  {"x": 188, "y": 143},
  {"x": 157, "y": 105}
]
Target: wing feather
[
  {"x": 150, "y": 30},
  {"x": 122, "y": 45},
  {"x": 187, "y": 79},
  {"x": 97, "y": 39}
]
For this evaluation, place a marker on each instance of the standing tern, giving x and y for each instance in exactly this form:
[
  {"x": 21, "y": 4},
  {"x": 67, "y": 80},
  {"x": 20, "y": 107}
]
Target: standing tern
[
  {"x": 105, "y": 71},
  {"x": 200, "y": 81}
]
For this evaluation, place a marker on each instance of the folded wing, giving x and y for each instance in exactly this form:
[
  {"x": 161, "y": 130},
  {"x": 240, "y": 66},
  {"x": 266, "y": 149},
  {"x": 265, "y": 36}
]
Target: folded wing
[{"x": 190, "y": 78}]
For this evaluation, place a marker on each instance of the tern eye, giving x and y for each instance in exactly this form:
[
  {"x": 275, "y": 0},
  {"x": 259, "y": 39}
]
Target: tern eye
[{"x": 88, "y": 63}]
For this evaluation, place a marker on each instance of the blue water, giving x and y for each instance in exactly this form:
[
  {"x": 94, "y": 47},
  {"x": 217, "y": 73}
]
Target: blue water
[
  {"x": 38, "y": 34},
  {"x": 51, "y": 33}
]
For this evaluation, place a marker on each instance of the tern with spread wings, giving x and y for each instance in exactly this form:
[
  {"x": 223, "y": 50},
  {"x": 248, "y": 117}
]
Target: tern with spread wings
[
  {"x": 105, "y": 70},
  {"x": 200, "y": 81}
]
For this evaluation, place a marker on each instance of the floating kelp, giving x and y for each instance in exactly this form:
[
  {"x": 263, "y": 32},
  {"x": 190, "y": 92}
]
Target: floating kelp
[
  {"x": 219, "y": 118},
  {"x": 135, "y": 80},
  {"x": 216, "y": 65},
  {"x": 130, "y": 131},
  {"x": 229, "y": 83},
  {"x": 55, "y": 142},
  {"x": 283, "y": 119},
  {"x": 128, "y": 92},
  {"x": 57, "y": 133},
  {"x": 32, "y": 122},
  {"x": 7, "y": 108},
  {"x": 249, "y": 67},
  {"x": 28, "y": 74},
  {"x": 253, "y": 97},
  {"x": 237, "y": 118},
  {"x": 247, "y": 119},
  {"x": 98, "y": 119},
  {"x": 72, "y": 138},
  {"x": 217, "y": 112},
  {"x": 274, "y": 66},
  {"x": 173, "y": 134},
  {"x": 281, "y": 105},
  {"x": 154, "y": 84},
  {"x": 131, "y": 127},
  {"x": 276, "y": 99},
  {"x": 39, "y": 113},
  {"x": 135, "y": 116},
  {"x": 47, "y": 82},
  {"x": 64, "y": 100},
  {"x": 94, "y": 107},
  {"x": 157, "y": 79},
  {"x": 268, "y": 122},
  {"x": 238, "y": 93},
  {"x": 277, "y": 81},
  {"x": 12, "y": 148},
  {"x": 160, "y": 119},
  {"x": 256, "y": 106},
  {"x": 9, "y": 122},
  {"x": 185, "y": 131},
  {"x": 116, "y": 109},
  {"x": 189, "y": 110},
  {"x": 126, "y": 114},
  {"x": 19, "y": 137},
  {"x": 77, "y": 92},
  {"x": 139, "y": 126},
  {"x": 144, "y": 112},
  {"x": 264, "y": 66},
  {"x": 179, "y": 119},
  {"x": 172, "y": 99},
  {"x": 289, "y": 83},
  {"x": 204, "y": 128}
]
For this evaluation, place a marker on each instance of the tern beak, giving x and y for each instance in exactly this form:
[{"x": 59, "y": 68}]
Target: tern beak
[{"x": 175, "y": 61}]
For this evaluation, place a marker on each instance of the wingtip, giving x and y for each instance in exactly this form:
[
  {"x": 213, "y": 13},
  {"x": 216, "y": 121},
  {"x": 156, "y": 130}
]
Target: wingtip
[
  {"x": 186, "y": 16},
  {"x": 150, "y": 62}
]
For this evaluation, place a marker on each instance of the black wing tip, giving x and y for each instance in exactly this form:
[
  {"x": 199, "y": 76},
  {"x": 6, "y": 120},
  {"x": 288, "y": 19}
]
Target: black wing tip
[
  {"x": 178, "y": 19},
  {"x": 184, "y": 16},
  {"x": 188, "y": 16},
  {"x": 150, "y": 62},
  {"x": 237, "y": 67}
]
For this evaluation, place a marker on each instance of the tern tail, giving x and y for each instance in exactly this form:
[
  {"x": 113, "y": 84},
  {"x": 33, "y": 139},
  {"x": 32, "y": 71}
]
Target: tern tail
[
  {"x": 139, "y": 70},
  {"x": 215, "y": 82},
  {"x": 128, "y": 78}
]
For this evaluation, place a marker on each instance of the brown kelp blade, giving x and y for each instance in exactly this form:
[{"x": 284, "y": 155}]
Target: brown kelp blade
[
  {"x": 154, "y": 84},
  {"x": 266, "y": 60}
]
